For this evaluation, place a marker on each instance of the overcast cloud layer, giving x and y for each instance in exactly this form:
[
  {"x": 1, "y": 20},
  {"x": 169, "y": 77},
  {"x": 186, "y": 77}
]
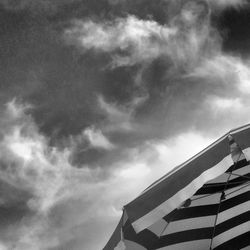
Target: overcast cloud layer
[{"x": 100, "y": 98}]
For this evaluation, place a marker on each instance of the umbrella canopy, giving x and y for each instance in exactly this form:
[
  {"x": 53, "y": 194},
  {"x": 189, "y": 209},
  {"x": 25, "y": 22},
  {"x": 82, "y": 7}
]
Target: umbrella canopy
[{"x": 202, "y": 204}]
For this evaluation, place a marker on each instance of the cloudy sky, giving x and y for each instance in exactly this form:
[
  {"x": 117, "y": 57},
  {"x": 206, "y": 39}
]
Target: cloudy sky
[{"x": 99, "y": 98}]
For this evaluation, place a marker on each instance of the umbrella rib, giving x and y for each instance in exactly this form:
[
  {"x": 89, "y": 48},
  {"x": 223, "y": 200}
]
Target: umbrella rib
[
  {"x": 165, "y": 227},
  {"x": 204, "y": 196},
  {"x": 243, "y": 176},
  {"x": 248, "y": 183},
  {"x": 222, "y": 184}
]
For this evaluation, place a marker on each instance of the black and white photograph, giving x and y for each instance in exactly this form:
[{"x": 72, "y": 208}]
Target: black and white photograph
[{"x": 124, "y": 124}]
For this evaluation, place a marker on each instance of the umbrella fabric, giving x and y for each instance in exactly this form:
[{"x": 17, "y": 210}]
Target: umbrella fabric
[{"x": 202, "y": 204}]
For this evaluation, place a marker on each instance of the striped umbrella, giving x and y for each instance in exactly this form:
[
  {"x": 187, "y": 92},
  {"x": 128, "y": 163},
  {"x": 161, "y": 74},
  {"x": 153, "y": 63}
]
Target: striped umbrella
[{"x": 202, "y": 204}]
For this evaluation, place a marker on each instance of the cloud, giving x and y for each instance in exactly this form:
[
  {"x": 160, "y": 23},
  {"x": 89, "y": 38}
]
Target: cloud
[
  {"x": 133, "y": 41},
  {"x": 228, "y": 112},
  {"x": 223, "y": 4},
  {"x": 97, "y": 139},
  {"x": 139, "y": 39},
  {"x": 219, "y": 104},
  {"x": 30, "y": 163},
  {"x": 173, "y": 151},
  {"x": 119, "y": 118},
  {"x": 2, "y": 246},
  {"x": 90, "y": 138},
  {"x": 42, "y": 175},
  {"x": 227, "y": 69}
]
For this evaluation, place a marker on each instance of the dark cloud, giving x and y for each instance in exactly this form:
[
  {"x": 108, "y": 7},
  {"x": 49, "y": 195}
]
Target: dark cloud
[
  {"x": 235, "y": 30},
  {"x": 36, "y": 6}
]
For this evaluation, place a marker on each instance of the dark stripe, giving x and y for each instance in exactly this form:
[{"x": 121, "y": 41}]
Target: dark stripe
[
  {"x": 238, "y": 165},
  {"x": 193, "y": 212},
  {"x": 232, "y": 202},
  {"x": 149, "y": 240},
  {"x": 206, "y": 210},
  {"x": 145, "y": 238},
  {"x": 185, "y": 236},
  {"x": 221, "y": 186},
  {"x": 202, "y": 233},
  {"x": 236, "y": 243},
  {"x": 177, "y": 181},
  {"x": 231, "y": 223}
]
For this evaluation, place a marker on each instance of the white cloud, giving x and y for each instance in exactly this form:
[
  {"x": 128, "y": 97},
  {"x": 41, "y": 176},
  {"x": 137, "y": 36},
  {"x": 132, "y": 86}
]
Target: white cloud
[
  {"x": 219, "y": 104},
  {"x": 134, "y": 171},
  {"x": 30, "y": 166},
  {"x": 243, "y": 73},
  {"x": 182, "y": 41},
  {"x": 3, "y": 246},
  {"x": 140, "y": 38},
  {"x": 222, "y": 4},
  {"x": 119, "y": 118},
  {"x": 35, "y": 166},
  {"x": 173, "y": 152},
  {"x": 97, "y": 139},
  {"x": 230, "y": 70},
  {"x": 15, "y": 111}
]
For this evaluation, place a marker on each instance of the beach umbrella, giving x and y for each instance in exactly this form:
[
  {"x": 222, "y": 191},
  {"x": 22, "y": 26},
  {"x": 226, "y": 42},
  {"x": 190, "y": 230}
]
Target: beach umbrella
[{"x": 202, "y": 204}]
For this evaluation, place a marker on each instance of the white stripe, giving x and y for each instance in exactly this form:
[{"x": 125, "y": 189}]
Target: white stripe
[
  {"x": 241, "y": 171},
  {"x": 233, "y": 212},
  {"x": 190, "y": 245},
  {"x": 231, "y": 233},
  {"x": 189, "y": 224},
  {"x": 184, "y": 194},
  {"x": 240, "y": 157},
  {"x": 245, "y": 248},
  {"x": 202, "y": 200},
  {"x": 235, "y": 174},
  {"x": 206, "y": 221},
  {"x": 223, "y": 178},
  {"x": 158, "y": 227},
  {"x": 219, "y": 179},
  {"x": 237, "y": 191},
  {"x": 246, "y": 152}
]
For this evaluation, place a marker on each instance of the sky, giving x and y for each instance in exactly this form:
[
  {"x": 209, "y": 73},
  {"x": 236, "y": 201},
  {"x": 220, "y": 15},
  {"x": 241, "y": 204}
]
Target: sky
[{"x": 99, "y": 98}]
